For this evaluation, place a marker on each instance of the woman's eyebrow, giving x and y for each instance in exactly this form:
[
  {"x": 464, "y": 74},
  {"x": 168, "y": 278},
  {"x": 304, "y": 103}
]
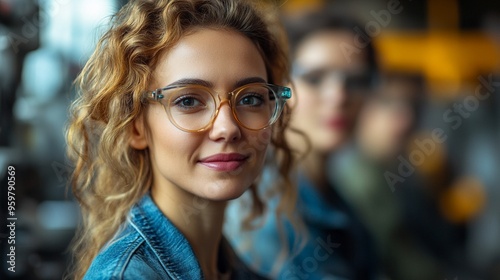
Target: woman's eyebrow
[
  {"x": 189, "y": 81},
  {"x": 192, "y": 81},
  {"x": 249, "y": 80}
]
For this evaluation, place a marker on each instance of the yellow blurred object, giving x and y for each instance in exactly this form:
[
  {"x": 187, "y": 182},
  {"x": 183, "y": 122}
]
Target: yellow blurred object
[
  {"x": 463, "y": 201},
  {"x": 449, "y": 59},
  {"x": 431, "y": 149},
  {"x": 293, "y": 7}
]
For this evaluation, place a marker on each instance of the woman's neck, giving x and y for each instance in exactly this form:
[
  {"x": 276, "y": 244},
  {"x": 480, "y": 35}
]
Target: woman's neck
[
  {"x": 314, "y": 166},
  {"x": 199, "y": 220}
]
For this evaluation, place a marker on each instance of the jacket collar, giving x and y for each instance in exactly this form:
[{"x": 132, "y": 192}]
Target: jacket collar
[{"x": 167, "y": 242}]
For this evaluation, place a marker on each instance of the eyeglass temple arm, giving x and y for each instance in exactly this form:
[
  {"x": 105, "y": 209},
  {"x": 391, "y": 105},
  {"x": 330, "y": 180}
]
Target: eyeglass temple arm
[
  {"x": 153, "y": 95},
  {"x": 286, "y": 93},
  {"x": 156, "y": 94}
]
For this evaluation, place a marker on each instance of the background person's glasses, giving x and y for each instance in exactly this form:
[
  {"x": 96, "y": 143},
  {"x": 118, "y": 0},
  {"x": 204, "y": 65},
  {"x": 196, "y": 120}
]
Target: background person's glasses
[
  {"x": 353, "y": 82},
  {"x": 193, "y": 108}
]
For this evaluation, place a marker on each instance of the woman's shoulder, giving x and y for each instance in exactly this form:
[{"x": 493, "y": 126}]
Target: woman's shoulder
[
  {"x": 146, "y": 246},
  {"x": 126, "y": 256}
]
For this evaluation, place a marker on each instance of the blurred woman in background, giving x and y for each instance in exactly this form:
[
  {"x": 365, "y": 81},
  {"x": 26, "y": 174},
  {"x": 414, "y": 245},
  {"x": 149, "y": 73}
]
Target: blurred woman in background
[
  {"x": 385, "y": 126},
  {"x": 331, "y": 76}
]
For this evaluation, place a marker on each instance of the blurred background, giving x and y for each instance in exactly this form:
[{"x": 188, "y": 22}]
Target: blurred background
[{"x": 427, "y": 146}]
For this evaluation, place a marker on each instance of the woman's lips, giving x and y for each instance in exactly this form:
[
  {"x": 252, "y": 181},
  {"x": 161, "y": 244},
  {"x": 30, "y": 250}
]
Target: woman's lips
[
  {"x": 337, "y": 123},
  {"x": 224, "y": 162}
]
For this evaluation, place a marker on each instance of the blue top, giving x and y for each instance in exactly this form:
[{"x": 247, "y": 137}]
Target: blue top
[
  {"x": 334, "y": 244},
  {"x": 149, "y": 246}
]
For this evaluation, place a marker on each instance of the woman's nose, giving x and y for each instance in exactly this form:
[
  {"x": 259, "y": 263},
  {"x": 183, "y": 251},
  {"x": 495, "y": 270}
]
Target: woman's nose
[
  {"x": 334, "y": 91},
  {"x": 225, "y": 127}
]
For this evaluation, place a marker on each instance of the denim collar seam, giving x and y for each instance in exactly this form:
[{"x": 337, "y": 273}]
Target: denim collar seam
[
  {"x": 141, "y": 224},
  {"x": 144, "y": 231},
  {"x": 127, "y": 257},
  {"x": 146, "y": 219}
]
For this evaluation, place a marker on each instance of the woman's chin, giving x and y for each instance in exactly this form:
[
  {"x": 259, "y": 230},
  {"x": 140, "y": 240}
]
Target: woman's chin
[
  {"x": 222, "y": 192},
  {"x": 331, "y": 144}
]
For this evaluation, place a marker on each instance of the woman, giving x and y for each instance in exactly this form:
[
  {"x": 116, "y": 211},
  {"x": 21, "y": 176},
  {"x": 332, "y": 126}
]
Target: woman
[
  {"x": 177, "y": 108},
  {"x": 385, "y": 127},
  {"x": 330, "y": 86}
]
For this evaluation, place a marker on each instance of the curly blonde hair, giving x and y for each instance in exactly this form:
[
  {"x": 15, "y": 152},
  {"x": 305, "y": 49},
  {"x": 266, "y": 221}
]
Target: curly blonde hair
[{"x": 109, "y": 175}]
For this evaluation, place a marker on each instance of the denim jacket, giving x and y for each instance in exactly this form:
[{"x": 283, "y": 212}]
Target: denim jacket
[{"x": 149, "y": 246}]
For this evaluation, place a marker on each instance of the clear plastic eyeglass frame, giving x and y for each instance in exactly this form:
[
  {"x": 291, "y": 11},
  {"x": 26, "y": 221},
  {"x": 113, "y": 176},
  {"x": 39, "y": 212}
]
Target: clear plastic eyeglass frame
[{"x": 281, "y": 94}]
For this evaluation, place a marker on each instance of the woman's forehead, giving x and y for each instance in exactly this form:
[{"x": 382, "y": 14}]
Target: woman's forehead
[
  {"x": 214, "y": 55},
  {"x": 331, "y": 48}
]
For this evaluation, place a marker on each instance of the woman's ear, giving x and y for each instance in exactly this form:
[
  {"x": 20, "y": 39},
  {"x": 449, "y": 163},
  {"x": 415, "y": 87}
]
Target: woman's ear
[{"x": 138, "y": 139}]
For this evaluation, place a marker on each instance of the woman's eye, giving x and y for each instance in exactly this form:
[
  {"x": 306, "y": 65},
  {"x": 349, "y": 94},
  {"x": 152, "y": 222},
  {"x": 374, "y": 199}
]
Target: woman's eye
[
  {"x": 313, "y": 79},
  {"x": 251, "y": 100},
  {"x": 187, "y": 102}
]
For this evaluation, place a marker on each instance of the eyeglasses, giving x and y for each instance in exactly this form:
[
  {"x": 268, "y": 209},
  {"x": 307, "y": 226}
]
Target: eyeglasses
[
  {"x": 355, "y": 82},
  {"x": 193, "y": 108}
]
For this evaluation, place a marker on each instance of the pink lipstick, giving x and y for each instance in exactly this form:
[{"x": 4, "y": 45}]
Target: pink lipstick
[
  {"x": 339, "y": 123},
  {"x": 224, "y": 162}
]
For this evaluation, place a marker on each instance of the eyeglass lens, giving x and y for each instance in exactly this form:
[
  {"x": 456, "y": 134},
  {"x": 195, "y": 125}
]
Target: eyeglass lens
[{"x": 194, "y": 108}]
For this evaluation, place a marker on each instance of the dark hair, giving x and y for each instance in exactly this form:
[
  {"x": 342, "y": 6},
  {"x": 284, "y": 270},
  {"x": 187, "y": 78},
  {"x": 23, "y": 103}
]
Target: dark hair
[{"x": 328, "y": 20}]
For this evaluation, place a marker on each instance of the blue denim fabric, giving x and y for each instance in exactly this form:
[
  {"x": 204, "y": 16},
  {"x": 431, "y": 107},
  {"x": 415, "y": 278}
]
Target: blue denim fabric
[
  {"x": 335, "y": 245},
  {"x": 149, "y": 246}
]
